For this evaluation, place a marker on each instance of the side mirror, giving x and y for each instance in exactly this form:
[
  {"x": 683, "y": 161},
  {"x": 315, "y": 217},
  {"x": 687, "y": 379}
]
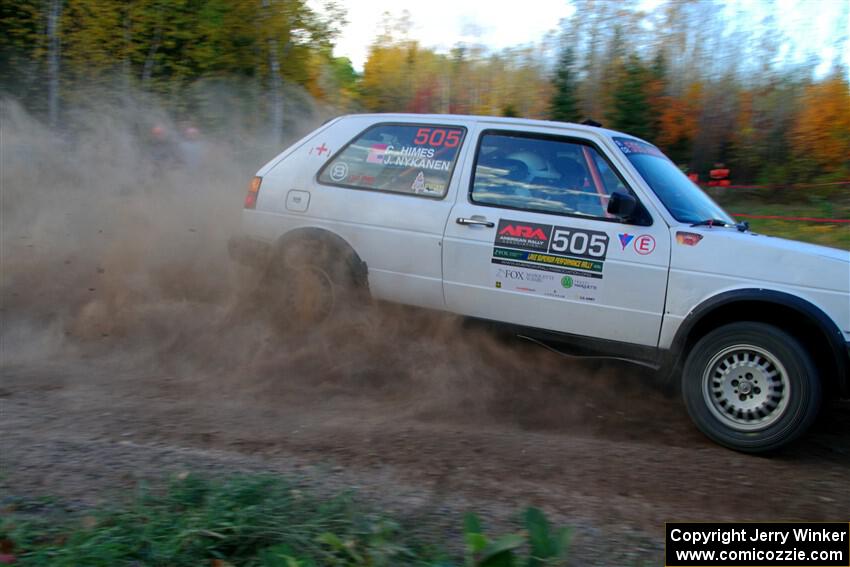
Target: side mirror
[{"x": 621, "y": 205}]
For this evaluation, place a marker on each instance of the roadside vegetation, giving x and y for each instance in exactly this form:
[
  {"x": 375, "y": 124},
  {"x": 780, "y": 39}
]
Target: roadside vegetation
[
  {"x": 825, "y": 234},
  {"x": 708, "y": 81},
  {"x": 256, "y": 520},
  {"x": 830, "y": 202},
  {"x": 714, "y": 86}
]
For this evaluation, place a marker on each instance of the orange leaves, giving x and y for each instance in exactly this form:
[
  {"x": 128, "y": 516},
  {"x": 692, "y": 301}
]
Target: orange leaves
[
  {"x": 404, "y": 76},
  {"x": 821, "y": 133},
  {"x": 678, "y": 119},
  {"x": 388, "y": 76}
]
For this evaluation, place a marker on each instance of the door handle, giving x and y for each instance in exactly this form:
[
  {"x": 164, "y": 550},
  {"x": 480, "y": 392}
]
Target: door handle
[{"x": 475, "y": 222}]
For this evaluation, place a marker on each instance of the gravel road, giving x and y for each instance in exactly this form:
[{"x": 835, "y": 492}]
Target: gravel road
[{"x": 424, "y": 426}]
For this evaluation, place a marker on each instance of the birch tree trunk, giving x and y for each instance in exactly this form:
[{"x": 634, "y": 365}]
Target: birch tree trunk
[
  {"x": 276, "y": 84},
  {"x": 126, "y": 70},
  {"x": 54, "y": 46},
  {"x": 147, "y": 68},
  {"x": 275, "y": 79}
]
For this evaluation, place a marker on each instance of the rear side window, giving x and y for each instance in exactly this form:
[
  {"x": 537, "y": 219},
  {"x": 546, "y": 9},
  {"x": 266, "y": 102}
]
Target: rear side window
[
  {"x": 400, "y": 158},
  {"x": 543, "y": 174}
]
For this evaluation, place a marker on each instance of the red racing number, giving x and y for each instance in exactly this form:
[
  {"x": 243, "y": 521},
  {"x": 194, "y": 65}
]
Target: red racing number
[{"x": 437, "y": 137}]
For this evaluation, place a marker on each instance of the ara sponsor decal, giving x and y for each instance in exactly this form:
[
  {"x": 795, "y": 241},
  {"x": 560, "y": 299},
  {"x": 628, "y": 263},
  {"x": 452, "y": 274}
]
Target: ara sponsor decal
[
  {"x": 523, "y": 231},
  {"x": 562, "y": 240},
  {"x": 560, "y": 261},
  {"x": 644, "y": 244},
  {"x": 524, "y": 235},
  {"x": 625, "y": 238}
]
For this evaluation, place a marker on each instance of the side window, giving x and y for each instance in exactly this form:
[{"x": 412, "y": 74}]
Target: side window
[
  {"x": 543, "y": 174},
  {"x": 401, "y": 158}
]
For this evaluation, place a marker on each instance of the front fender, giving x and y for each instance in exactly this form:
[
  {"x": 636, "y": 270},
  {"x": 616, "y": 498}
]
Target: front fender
[{"x": 798, "y": 316}]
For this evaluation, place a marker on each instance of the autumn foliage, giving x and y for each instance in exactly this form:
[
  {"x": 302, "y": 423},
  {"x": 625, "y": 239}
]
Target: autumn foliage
[
  {"x": 821, "y": 134},
  {"x": 703, "y": 83}
]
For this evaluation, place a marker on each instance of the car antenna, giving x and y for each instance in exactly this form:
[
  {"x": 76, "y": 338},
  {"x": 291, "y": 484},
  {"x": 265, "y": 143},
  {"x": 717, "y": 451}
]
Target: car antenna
[{"x": 590, "y": 122}]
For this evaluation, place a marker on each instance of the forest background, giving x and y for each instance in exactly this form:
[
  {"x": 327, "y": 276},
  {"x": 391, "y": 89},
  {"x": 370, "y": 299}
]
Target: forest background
[
  {"x": 681, "y": 75},
  {"x": 705, "y": 85}
]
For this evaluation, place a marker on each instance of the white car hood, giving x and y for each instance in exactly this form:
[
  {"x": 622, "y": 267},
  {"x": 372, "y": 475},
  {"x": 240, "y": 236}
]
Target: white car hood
[{"x": 727, "y": 251}]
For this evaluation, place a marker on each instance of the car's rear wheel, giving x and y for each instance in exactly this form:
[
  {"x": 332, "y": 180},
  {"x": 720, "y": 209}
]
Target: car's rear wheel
[
  {"x": 309, "y": 283},
  {"x": 751, "y": 387}
]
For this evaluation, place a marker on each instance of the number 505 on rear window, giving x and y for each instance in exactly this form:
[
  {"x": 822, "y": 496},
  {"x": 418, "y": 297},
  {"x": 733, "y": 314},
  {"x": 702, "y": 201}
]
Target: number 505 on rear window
[{"x": 437, "y": 137}]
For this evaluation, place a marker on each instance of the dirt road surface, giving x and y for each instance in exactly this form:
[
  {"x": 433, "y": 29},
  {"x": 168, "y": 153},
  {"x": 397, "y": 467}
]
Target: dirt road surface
[{"x": 424, "y": 427}]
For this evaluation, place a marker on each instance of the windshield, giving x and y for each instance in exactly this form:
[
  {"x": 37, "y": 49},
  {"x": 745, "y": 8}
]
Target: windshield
[{"x": 685, "y": 201}]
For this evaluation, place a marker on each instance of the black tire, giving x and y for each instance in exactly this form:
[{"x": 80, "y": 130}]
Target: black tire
[
  {"x": 310, "y": 282},
  {"x": 751, "y": 387}
]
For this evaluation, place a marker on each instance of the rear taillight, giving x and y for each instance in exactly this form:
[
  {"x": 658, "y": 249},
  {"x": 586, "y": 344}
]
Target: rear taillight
[{"x": 253, "y": 192}]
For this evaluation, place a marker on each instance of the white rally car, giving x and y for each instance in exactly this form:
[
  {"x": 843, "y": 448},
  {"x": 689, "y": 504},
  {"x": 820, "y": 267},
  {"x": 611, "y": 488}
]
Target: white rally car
[{"x": 579, "y": 237}]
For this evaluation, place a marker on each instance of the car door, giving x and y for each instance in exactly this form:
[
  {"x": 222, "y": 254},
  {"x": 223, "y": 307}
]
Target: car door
[{"x": 529, "y": 241}]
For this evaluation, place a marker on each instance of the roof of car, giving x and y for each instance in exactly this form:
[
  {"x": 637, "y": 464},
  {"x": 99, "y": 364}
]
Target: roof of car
[{"x": 493, "y": 119}]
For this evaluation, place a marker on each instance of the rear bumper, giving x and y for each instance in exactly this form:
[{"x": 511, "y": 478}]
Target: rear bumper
[{"x": 249, "y": 251}]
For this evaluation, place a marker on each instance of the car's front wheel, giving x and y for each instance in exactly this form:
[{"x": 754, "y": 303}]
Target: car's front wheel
[{"x": 751, "y": 387}]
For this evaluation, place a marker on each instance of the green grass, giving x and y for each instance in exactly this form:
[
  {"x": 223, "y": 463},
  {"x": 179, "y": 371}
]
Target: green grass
[
  {"x": 834, "y": 235},
  {"x": 254, "y": 520},
  {"x": 831, "y": 204}
]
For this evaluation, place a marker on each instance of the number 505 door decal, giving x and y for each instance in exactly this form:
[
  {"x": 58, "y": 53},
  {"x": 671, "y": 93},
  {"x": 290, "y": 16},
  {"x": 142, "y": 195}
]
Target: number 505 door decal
[{"x": 543, "y": 259}]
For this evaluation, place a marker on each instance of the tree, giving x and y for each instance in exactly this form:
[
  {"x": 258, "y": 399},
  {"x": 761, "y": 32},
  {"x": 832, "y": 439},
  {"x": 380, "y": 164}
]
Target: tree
[
  {"x": 26, "y": 30},
  {"x": 821, "y": 134},
  {"x": 564, "y": 106},
  {"x": 656, "y": 91},
  {"x": 630, "y": 108},
  {"x": 677, "y": 123},
  {"x": 385, "y": 84},
  {"x": 163, "y": 46}
]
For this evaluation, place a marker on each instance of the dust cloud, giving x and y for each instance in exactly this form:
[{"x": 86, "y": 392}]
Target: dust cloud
[{"x": 114, "y": 254}]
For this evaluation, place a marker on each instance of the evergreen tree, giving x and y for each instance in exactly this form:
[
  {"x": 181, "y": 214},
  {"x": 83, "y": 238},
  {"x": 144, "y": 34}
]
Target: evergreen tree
[
  {"x": 656, "y": 93},
  {"x": 564, "y": 105},
  {"x": 630, "y": 110}
]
